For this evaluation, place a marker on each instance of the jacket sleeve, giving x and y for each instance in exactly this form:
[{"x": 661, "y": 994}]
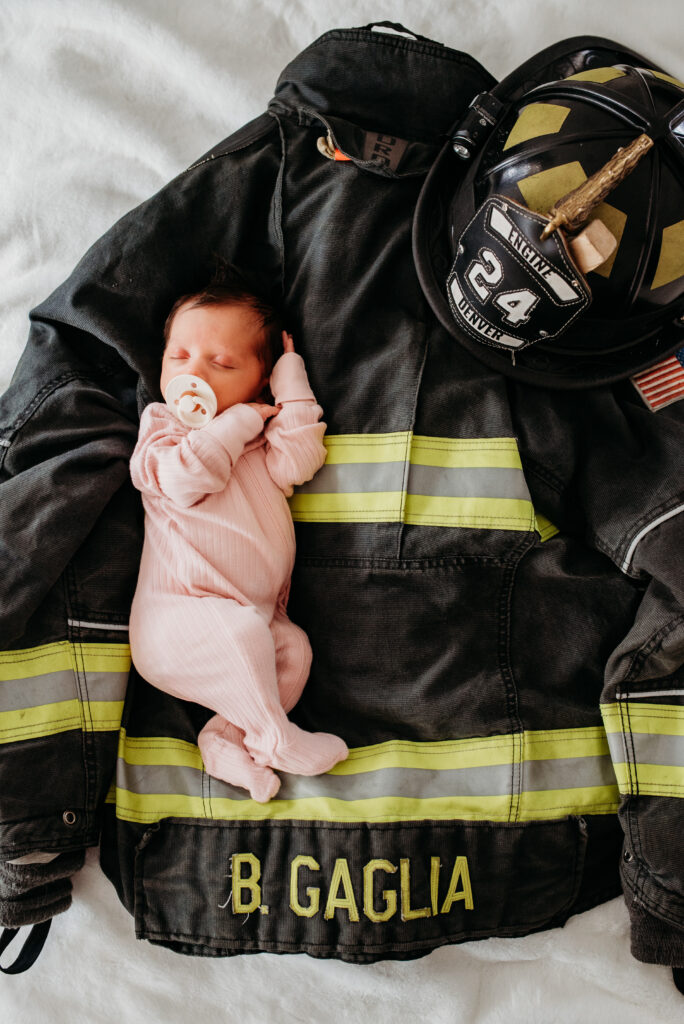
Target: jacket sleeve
[
  {"x": 295, "y": 449},
  {"x": 613, "y": 472},
  {"x": 68, "y": 428},
  {"x": 172, "y": 461}
]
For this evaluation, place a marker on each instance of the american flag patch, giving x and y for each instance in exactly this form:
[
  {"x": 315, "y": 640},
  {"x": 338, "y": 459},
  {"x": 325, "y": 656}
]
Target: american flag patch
[{"x": 663, "y": 383}]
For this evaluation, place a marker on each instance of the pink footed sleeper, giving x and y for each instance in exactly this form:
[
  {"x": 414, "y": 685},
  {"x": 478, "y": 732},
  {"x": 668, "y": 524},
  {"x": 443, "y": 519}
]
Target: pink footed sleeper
[{"x": 208, "y": 620}]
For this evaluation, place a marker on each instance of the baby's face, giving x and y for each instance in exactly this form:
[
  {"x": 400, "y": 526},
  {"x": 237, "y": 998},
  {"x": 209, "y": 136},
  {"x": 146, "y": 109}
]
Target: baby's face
[{"x": 218, "y": 344}]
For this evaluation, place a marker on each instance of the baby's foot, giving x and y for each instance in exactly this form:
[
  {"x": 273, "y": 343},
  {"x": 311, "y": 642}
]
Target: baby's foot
[
  {"x": 301, "y": 752},
  {"x": 230, "y": 762}
]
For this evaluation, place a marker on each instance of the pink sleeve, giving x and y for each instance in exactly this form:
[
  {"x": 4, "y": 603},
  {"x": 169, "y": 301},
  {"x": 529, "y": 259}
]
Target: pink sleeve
[
  {"x": 295, "y": 449},
  {"x": 182, "y": 464}
]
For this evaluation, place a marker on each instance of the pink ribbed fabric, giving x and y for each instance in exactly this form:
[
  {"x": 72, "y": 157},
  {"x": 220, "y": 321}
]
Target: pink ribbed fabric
[{"x": 208, "y": 619}]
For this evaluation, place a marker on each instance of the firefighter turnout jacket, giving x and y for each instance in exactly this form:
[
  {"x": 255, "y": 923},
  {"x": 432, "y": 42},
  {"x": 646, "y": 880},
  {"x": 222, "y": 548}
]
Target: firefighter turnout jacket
[{"x": 490, "y": 575}]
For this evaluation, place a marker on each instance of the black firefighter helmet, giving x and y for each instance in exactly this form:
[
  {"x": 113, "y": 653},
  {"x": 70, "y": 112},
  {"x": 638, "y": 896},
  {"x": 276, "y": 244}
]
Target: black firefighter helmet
[{"x": 519, "y": 302}]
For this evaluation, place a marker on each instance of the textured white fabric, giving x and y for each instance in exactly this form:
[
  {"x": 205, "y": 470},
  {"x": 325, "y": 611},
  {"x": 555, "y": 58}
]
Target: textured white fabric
[{"x": 101, "y": 103}]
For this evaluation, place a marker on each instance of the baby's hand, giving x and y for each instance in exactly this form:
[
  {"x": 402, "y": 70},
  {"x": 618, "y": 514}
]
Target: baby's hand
[
  {"x": 264, "y": 410},
  {"x": 288, "y": 343}
]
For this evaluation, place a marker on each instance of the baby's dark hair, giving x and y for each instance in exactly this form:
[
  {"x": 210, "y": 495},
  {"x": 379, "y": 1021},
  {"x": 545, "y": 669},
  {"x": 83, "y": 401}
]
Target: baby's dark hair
[{"x": 230, "y": 285}]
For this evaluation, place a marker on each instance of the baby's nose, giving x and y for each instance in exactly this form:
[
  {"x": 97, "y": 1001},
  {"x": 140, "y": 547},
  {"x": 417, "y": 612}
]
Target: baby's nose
[{"x": 194, "y": 366}]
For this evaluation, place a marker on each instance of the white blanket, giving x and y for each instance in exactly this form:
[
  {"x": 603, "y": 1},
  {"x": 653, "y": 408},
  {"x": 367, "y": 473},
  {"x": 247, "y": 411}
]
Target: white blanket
[{"x": 102, "y": 102}]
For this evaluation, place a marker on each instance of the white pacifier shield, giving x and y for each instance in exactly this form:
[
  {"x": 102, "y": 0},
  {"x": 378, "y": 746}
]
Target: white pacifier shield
[{"x": 191, "y": 399}]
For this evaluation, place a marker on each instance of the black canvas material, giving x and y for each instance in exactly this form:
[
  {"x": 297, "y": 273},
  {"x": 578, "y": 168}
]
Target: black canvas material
[{"x": 435, "y": 634}]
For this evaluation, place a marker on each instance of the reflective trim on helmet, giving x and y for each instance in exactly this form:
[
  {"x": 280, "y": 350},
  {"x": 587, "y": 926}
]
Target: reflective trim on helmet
[
  {"x": 534, "y": 120},
  {"x": 671, "y": 258}
]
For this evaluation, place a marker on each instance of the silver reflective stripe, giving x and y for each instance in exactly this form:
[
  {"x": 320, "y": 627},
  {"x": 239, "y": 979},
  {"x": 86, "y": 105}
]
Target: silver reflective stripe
[
  {"x": 649, "y": 693},
  {"x": 646, "y": 748},
  {"x": 642, "y": 533},
  {"x": 567, "y": 772},
  {"x": 487, "y": 780},
  {"x": 350, "y": 478},
  {"x": 96, "y": 625},
  {"x": 53, "y": 687}
]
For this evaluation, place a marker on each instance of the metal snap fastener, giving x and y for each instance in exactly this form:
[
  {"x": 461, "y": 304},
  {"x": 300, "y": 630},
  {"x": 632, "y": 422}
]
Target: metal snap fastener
[
  {"x": 69, "y": 818},
  {"x": 627, "y": 856}
]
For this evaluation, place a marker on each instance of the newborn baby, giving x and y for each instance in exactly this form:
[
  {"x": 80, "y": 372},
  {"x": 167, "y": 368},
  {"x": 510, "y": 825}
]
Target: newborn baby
[{"x": 208, "y": 619}]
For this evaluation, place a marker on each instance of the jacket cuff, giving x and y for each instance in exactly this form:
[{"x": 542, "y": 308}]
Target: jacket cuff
[
  {"x": 289, "y": 381},
  {"x": 234, "y": 427},
  {"x": 31, "y": 893},
  {"x": 655, "y": 941}
]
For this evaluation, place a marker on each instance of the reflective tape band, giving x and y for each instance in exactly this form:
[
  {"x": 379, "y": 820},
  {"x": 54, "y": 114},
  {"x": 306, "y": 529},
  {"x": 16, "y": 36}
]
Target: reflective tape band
[
  {"x": 642, "y": 533},
  {"x": 395, "y": 781},
  {"x": 64, "y": 654},
  {"x": 416, "y": 509},
  {"x": 658, "y": 719},
  {"x": 62, "y": 686},
  {"x": 55, "y": 687},
  {"x": 404, "y": 446},
  {"x": 415, "y": 479},
  {"x": 647, "y": 746},
  {"x": 147, "y": 809},
  {"x": 545, "y": 528},
  {"x": 62, "y": 716}
]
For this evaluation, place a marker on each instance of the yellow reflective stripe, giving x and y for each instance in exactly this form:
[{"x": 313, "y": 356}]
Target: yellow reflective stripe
[
  {"x": 42, "y": 689},
  {"x": 478, "y": 513},
  {"x": 348, "y": 496},
  {"x": 355, "y": 507},
  {"x": 545, "y": 745},
  {"x": 156, "y": 750},
  {"x": 61, "y": 655},
  {"x": 649, "y": 733},
  {"x": 555, "y": 803},
  {"x": 545, "y": 527},
  {"x": 436, "y": 756},
  {"x": 440, "y": 755},
  {"x": 650, "y": 779},
  {"x": 537, "y": 745},
  {"x": 423, "y": 450},
  {"x": 62, "y": 716},
  {"x": 456, "y": 452},
  {"x": 418, "y": 510},
  {"x": 348, "y": 448},
  {"x": 655, "y": 719},
  {"x": 444, "y": 756},
  {"x": 146, "y": 808}
]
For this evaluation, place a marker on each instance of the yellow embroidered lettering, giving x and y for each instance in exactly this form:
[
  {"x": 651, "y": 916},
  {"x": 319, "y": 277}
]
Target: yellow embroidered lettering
[
  {"x": 459, "y": 874},
  {"x": 407, "y": 914},
  {"x": 389, "y": 895},
  {"x": 435, "y": 865},
  {"x": 347, "y": 902},
  {"x": 250, "y": 882},
  {"x": 314, "y": 894}
]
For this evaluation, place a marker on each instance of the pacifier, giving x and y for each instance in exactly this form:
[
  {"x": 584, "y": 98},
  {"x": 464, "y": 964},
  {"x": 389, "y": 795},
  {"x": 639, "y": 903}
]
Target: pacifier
[{"x": 191, "y": 399}]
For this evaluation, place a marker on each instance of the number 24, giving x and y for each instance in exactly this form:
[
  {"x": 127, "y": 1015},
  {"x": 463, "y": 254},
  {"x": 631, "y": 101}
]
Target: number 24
[{"x": 488, "y": 270}]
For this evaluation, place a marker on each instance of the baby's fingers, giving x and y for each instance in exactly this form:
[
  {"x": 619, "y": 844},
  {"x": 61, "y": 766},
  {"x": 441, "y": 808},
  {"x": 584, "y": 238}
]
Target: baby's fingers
[{"x": 288, "y": 343}]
